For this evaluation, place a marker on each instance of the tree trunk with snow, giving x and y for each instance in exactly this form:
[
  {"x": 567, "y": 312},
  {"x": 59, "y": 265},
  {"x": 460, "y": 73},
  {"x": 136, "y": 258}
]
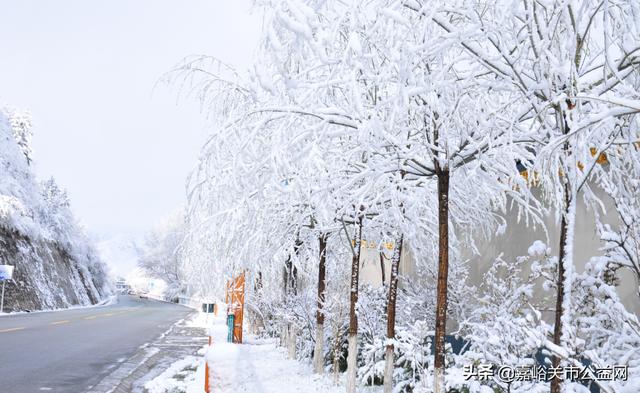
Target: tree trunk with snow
[
  {"x": 352, "y": 363},
  {"x": 557, "y": 329},
  {"x": 284, "y": 336},
  {"x": 290, "y": 275},
  {"x": 352, "y": 337},
  {"x": 318, "y": 351},
  {"x": 565, "y": 253},
  {"x": 286, "y": 269},
  {"x": 336, "y": 355},
  {"x": 290, "y": 289},
  {"x": 292, "y": 337},
  {"x": 391, "y": 317},
  {"x": 443, "y": 271}
]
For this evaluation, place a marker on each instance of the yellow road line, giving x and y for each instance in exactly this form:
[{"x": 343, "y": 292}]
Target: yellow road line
[
  {"x": 100, "y": 315},
  {"x": 109, "y": 314},
  {"x": 11, "y": 330},
  {"x": 59, "y": 322}
]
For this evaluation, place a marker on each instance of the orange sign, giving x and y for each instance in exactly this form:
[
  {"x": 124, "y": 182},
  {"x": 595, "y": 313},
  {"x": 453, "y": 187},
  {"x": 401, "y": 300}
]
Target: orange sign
[{"x": 235, "y": 305}]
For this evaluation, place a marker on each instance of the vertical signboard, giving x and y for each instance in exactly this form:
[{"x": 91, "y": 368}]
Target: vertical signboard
[
  {"x": 235, "y": 300},
  {"x": 6, "y": 273}
]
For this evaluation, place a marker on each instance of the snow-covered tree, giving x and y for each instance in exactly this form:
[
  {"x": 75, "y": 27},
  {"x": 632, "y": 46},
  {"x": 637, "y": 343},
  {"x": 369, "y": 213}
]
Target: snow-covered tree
[
  {"x": 571, "y": 63},
  {"x": 381, "y": 119},
  {"x": 618, "y": 177},
  {"x": 161, "y": 254},
  {"x": 39, "y": 216},
  {"x": 21, "y": 125}
]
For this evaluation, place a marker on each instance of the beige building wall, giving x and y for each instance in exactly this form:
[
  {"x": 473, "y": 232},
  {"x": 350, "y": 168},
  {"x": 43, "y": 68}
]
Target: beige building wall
[
  {"x": 372, "y": 261},
  {"x": 371, "y": 266},
  {"x": 513, "y": 243},
  {"x": 518, "y": 237}
]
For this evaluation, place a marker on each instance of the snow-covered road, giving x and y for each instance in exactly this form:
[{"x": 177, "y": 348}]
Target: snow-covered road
[{"x": 69, "y": 351}]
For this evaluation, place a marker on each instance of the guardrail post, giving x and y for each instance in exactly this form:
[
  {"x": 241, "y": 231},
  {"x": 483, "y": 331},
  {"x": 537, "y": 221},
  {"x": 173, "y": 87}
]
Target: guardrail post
[
  {"x": 207, "y": 388},
  {"x": 2, "y": 300}
]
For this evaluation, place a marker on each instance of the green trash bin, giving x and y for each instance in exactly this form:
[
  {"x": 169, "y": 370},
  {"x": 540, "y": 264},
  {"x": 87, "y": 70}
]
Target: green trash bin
[{"x": 230, "y": 323}]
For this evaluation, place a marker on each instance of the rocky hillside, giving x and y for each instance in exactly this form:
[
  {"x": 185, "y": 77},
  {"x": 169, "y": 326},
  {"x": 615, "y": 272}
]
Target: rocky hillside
[{"x": 55, "y": 263}]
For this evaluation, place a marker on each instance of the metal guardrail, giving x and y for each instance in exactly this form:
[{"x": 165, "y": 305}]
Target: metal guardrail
[{"x": 193, "y": 302}]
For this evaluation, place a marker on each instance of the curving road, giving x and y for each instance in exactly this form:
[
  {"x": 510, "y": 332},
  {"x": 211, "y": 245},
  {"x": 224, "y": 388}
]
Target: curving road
[{"x": 70, "y": 351}]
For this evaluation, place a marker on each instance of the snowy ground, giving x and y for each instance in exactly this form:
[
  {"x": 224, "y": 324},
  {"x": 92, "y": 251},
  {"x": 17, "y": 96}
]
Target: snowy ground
[
  {"x": 256, "y": 366},
  {"x": 185, "y": 375},
  {"x": 261, "y": 367}
]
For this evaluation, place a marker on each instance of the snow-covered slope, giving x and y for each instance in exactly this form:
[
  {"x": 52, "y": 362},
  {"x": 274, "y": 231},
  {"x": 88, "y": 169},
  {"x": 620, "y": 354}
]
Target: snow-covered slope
[{"x": 55, "y": 263}]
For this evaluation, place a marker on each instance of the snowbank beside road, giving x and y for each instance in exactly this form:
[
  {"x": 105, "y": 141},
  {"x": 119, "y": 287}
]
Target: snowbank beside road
[
  {"x": 185, "y": 375},
  {"x": 257, "y": 366},
  {"x": 262, "y": 368},
  {"x": 110, "y": 300}
]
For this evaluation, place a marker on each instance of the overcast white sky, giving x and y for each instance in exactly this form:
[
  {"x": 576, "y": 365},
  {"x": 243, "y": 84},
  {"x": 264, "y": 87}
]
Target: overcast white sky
[{"x": 86, "y": 70}]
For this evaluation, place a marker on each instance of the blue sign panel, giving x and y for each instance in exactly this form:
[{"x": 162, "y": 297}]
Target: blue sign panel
[{"x": 6, "y": 272}]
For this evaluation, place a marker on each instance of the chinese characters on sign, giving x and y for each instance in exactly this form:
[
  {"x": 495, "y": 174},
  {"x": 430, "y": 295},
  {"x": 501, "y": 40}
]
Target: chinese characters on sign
[{"x": 508, "y": 374}]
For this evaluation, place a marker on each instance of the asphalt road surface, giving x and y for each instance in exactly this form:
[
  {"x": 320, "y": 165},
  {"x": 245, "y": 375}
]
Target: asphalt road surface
[{"x": 70, "y": 351}]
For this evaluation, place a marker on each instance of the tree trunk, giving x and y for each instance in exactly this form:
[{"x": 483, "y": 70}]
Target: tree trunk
[
  {"x": 352, "y": 363},
  {"x": 561, "y": 280},
  {"x": 290, "y": 273},
  {"x": 336, "y": 354},
  {"x": 352, "y": 337},
  {"x": 292, "y": 337},
  {"x": 389, "y": 360},
  {"x": 290, "y": 278},
  {"x": 258, "y": 283},
  {"x": 294, "y": 269},
  {"x": 285, "y": 278},
  {"x": 391, "y": 317},
  {"x": 318, "y": 352},
  {"x": 556, "y": 384},
  {"x": 443, "y": 271},
  {"x": 283, "y": 336}
]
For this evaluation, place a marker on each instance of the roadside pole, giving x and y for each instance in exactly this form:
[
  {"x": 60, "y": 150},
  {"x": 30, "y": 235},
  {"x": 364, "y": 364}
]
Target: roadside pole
[
  {"x": 207, "y": 388},
  {"x": 2, "y": 300},
  {"x": 207, "y": 308},
  {"x": 6, "y": 273}
]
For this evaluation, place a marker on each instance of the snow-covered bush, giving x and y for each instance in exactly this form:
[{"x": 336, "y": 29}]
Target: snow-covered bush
[
  {"x": 413, "y": 355},
  {"x": 605, "y": 332},
  {"x": 506, "y": 326},
  {"x": 372, "y": 325}
]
